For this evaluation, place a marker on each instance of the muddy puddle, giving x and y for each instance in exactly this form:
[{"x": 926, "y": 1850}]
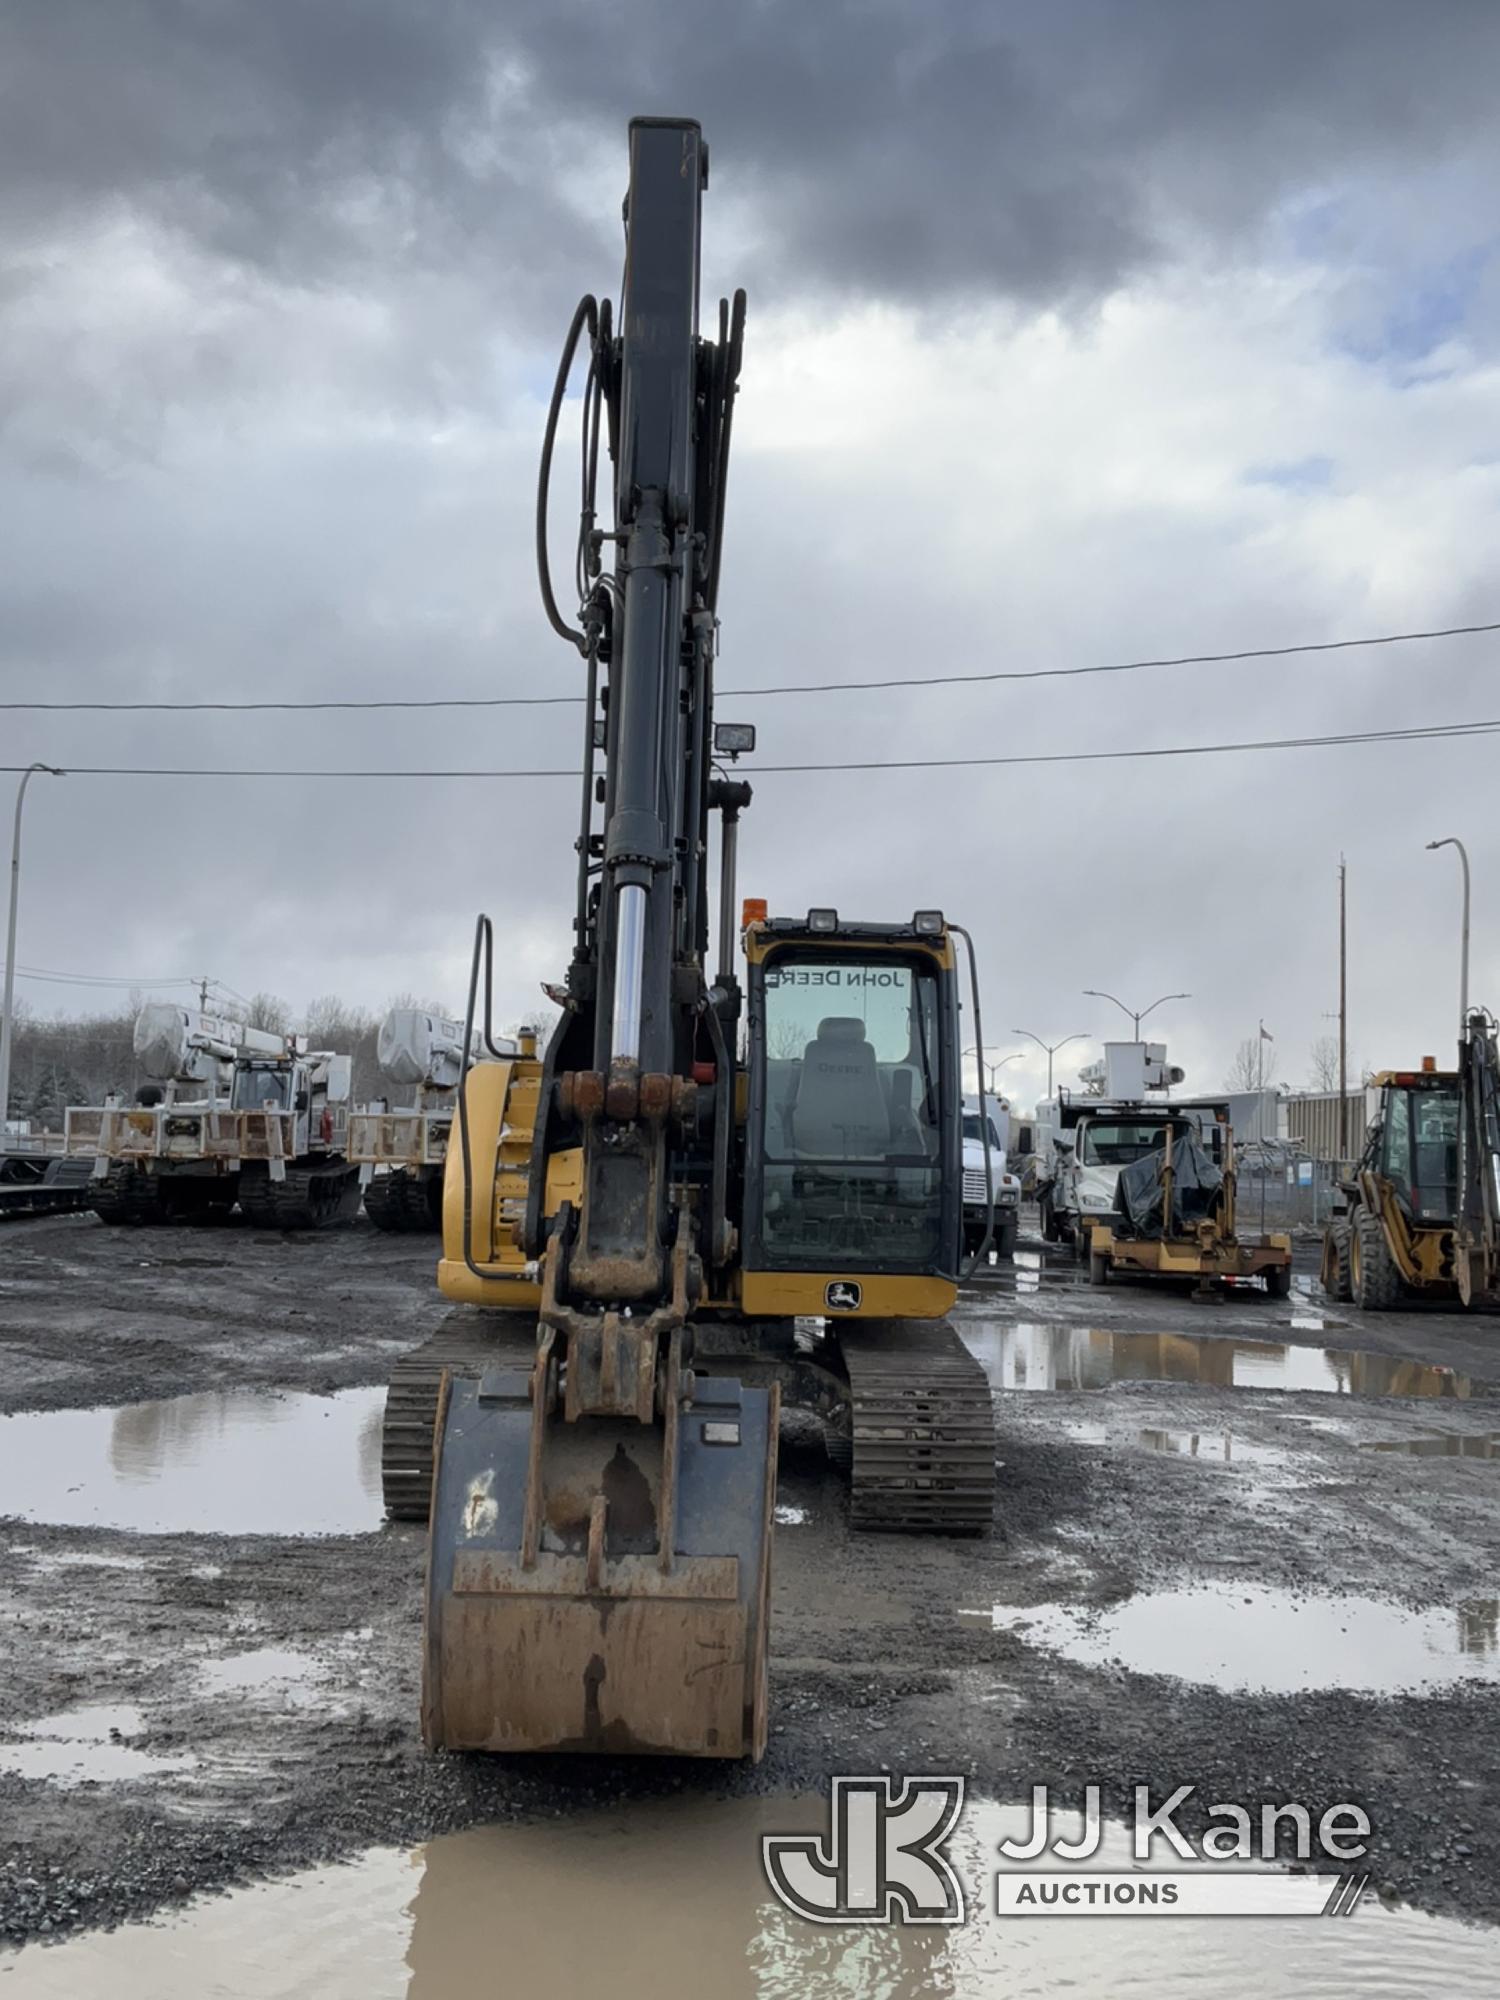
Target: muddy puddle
[
  {"x": 1442, "y": 1444},
  {"x": 87, "y": 1745},
  {"x": 1253, "y": 1639},
  {"x": 1207, "y": 1447},
  {"x": 232, "y": 1463},
  {"x": 1031, "y": 1272},
  {"x": 669, "y": 1899},
  {"x": 1024, "y": 1354}
]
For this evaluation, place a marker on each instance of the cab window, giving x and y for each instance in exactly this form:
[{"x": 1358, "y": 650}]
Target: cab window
[
  {"x": 852, "y": 1107},
  {"x": 257, "y": 1089},
  {"x": 1116, "y": 1145}
]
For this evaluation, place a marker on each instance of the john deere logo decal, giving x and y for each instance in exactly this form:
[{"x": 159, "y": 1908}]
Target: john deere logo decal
[{"x": 843, "y": 1296}]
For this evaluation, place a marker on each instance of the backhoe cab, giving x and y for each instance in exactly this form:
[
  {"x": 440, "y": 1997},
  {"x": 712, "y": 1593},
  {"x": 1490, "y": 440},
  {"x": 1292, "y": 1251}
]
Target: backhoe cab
[{"x": 1420, "y": 1215}]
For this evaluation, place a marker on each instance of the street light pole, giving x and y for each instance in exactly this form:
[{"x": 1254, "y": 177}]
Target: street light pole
[
  {"x": 1463, "y": 968},
  {"x": 1092, "y": 993},
  {"x": 1051, "y": 1048},
  {"x": 8, "y": 1008},
  {"x": 989, "y": 1068}
]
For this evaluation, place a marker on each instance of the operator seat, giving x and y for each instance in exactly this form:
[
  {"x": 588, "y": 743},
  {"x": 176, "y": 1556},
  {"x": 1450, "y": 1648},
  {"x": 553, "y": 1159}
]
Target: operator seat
[{"x": 840, "y": 1111}]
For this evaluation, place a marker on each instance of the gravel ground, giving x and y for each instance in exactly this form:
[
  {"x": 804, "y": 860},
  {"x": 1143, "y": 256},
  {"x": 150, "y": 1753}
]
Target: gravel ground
[{"x": 265, "y": 1687}]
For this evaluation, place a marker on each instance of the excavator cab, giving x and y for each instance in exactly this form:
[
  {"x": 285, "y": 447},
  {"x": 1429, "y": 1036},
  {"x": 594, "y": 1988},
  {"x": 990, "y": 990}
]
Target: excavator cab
[{"x": 853, "y": 1174}]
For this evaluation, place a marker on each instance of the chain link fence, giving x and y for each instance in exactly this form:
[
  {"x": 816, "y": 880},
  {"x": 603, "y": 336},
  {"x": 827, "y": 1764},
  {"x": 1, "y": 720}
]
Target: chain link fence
[{"x": 1281, "y": 1188}]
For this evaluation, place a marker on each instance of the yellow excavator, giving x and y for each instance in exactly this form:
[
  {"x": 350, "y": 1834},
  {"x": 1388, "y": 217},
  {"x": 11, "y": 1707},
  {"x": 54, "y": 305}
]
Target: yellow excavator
[{"x": 707, "y": 1192}]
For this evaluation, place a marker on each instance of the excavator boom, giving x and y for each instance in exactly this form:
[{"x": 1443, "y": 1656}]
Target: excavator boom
[
  {"x": 647, "y": 1214},
  {"x": 600, "y": 1532}
]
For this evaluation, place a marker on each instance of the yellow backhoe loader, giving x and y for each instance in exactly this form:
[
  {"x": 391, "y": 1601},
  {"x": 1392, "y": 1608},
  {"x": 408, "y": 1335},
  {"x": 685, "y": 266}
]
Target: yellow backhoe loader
[{"x": 1419, "y": 1218}]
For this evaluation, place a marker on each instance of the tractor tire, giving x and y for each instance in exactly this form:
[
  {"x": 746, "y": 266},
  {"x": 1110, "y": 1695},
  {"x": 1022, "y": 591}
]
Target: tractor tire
[
  {"x": 1336, "y": 1280},
  {"x": 1049, "y": 1219},
  {"x": 1279, "y": 1281},
  {"x": 1374, "y": 1280}
]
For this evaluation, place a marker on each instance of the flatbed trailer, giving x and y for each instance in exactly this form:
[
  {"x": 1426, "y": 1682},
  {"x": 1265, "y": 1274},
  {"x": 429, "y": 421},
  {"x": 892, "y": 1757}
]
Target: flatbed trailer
[
  {"x": 1205, "y": 1256},
  {"x": 1207, "y": 1248},
  {"x": 38, "y": 1178}
]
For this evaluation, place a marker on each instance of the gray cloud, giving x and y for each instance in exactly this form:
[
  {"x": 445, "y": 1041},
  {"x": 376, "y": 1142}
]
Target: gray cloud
[
  {"x": 283, "y": 283},
  {"x": 1039, "y": 152}
]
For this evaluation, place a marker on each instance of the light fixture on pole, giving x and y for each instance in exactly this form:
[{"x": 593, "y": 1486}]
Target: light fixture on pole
[
  {"x": 989, "y": 1068},
  {"x": 1463, "y": 966},
  {"x": 7, "y": 1008},
  {"x": 1093, "y": 993},
  {"x": 1050, "y": 1047}
]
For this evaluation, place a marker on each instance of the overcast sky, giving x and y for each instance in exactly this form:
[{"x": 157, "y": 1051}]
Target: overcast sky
[{"x": 1078, "y": 332}]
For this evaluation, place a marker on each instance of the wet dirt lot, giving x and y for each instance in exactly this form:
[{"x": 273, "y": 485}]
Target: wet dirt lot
[{"x": 1252, "y": 1546}]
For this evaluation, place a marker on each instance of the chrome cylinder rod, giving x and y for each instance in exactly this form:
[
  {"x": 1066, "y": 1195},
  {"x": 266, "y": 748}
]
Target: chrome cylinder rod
[{"x": 630, "y": 962}]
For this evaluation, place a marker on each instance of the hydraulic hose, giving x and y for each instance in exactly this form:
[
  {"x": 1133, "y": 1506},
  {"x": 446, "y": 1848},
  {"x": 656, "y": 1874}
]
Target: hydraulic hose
[{"x": 587, "y": 315}]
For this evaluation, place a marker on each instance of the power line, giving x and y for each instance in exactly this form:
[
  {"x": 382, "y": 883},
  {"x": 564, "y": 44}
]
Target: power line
[
  {"x": 96, "y": 979},
  {"x": 752, "y": 693},
  {"x": 1416, "y": 733}
]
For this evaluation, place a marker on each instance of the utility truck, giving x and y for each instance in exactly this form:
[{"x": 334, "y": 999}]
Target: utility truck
[
  {"x": 230, "y": 1113},
  {"x": 173, "y": 1153},
  {"x": 992, "y": 1198},
  {"x": 400, "y": 1149}
]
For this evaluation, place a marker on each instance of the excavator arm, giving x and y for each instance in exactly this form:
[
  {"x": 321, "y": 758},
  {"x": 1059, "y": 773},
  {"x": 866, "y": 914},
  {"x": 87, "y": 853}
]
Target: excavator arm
[
  {"x": 644, "y": 1221},
  {"x": 600, "y": 1526}
]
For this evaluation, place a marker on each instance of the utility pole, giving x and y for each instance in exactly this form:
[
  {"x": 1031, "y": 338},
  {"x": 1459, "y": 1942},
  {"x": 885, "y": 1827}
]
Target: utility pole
[
  {"x": 7, "y": 1011},
  {"x": 1343, "y": 1011}
]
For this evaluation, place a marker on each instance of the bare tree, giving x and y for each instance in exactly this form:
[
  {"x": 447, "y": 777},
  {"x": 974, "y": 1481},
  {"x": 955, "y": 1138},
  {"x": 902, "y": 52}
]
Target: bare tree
[
  {"x": 418, "y": 1005},
  {"x": 270, "y": 1013},
  {"x": 1323, "y": 1066},
  {"x": 787, "y": 1041},
  {"x": 1247, "y": 1068},
  {"x": 331, "y": 1023},
  {"x": 1323, "y": 1063},
  {"x": 70, "y": 1060}
]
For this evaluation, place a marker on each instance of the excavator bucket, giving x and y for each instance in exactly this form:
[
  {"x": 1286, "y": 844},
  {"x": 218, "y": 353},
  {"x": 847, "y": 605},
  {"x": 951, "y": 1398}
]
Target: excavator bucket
[{"x": 601, "y": 1584}]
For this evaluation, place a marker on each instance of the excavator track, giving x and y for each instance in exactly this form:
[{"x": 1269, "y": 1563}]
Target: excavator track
[
  {"x": 401, "y": 1201},
  {"x": 314, "y": 1197},
  {"x": 923, "y": 1429},
  {"x": 128, "y": 1196},
  {"x": 467, "y": 1344}
]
